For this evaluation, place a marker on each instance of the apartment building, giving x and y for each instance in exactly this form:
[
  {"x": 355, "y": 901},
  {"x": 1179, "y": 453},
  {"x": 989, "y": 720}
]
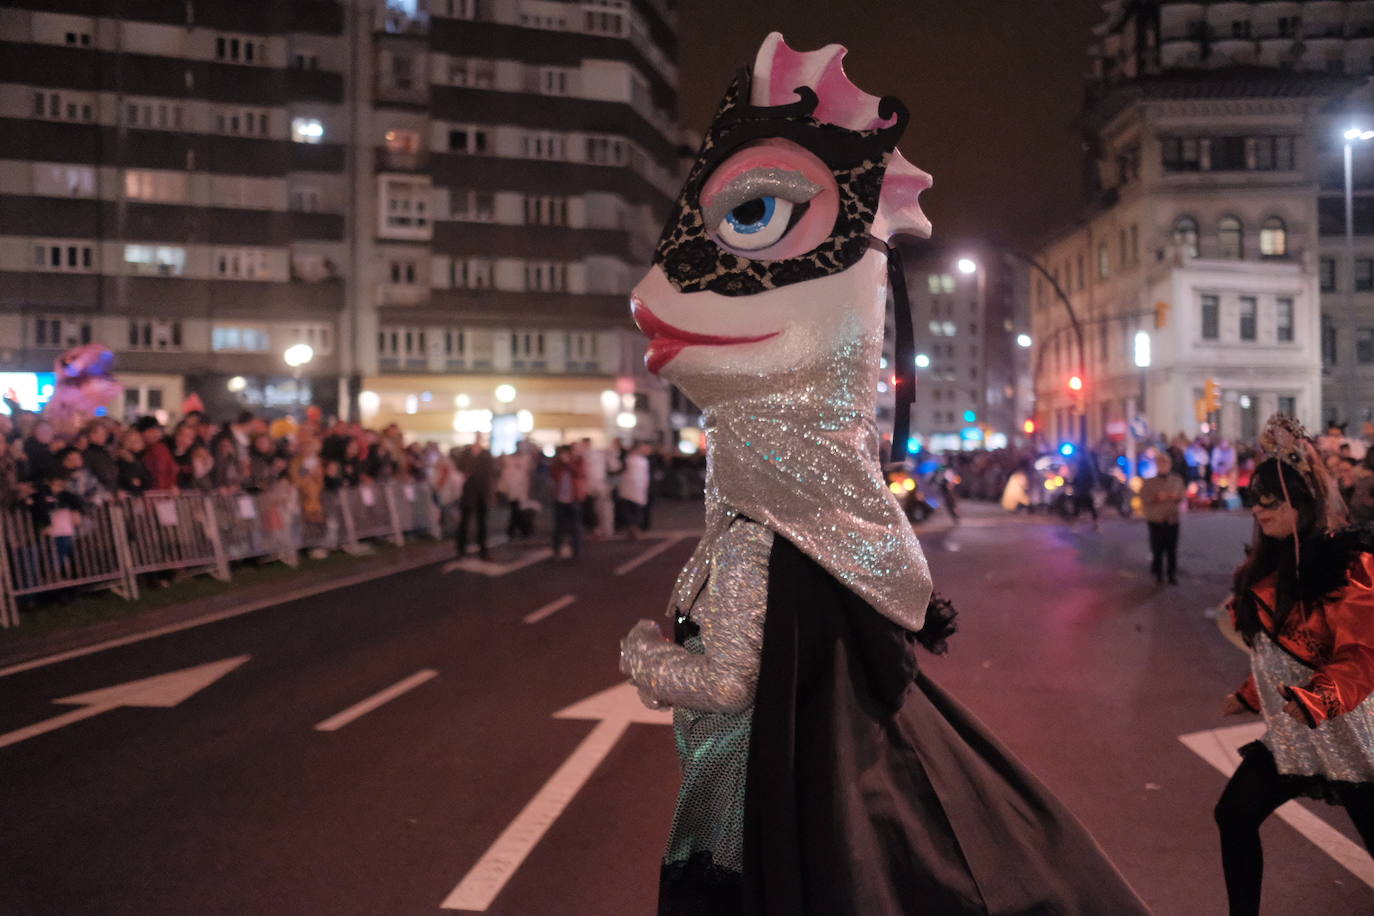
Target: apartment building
[{"x": 442, "y": 199}]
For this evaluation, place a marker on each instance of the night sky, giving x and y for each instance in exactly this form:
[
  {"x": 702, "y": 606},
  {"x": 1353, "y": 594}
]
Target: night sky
[{"x": 993, "y": 87}]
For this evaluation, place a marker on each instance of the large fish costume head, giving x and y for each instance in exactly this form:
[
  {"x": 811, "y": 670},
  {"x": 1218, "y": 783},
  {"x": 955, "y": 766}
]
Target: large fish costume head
[{"x": 766, "y": 304}]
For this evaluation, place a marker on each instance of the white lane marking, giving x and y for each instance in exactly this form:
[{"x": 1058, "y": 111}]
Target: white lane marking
[
  {"x": 616, "y": 708},
  {"x": 488, "y": 568},
  {"x": 1218, "y": 746},
  {"x": 647, "y": 555},
  {"x": 161, "y": 691},
  {"x": 550, "y": 609},
  {"x": 283, "y": 598},
  {"x": 358, "y": 710}
]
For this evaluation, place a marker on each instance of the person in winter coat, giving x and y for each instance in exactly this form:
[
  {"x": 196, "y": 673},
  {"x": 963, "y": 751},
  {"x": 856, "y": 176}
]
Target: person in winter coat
[{"x": 162, "y": 468}]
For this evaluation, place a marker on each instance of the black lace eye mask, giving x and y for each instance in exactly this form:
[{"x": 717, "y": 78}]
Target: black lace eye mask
[{"x": 688, "y": 251}]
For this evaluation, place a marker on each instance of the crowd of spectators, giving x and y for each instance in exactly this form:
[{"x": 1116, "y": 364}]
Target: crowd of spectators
[{"x": 46, "y": 469}]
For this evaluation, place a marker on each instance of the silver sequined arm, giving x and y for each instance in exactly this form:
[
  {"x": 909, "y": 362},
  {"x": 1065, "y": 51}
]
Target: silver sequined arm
[{"x": 731, "y": 618}]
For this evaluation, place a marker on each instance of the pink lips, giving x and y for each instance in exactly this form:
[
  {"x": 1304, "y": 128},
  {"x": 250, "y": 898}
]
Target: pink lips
[{"x": 666, "y": 341}]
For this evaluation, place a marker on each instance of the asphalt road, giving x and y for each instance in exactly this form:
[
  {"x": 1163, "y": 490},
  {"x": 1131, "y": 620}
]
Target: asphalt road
[{"x": 234, "y": 801}]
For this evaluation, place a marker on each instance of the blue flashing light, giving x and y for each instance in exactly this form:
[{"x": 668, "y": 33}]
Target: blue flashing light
[
  {"x": 1122, "y": 462},
  {"x": 913, "y": 446},
  {"x": 969, "y": 433},
  {"x": 102, "y": 411},
  {"x": 970, "y": 417},
  {"x": 1066, "y": 449}
]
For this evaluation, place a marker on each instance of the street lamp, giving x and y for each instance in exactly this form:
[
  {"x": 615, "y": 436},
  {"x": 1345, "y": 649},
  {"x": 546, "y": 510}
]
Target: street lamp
[
  {"x": 967, "y": 265},
  {"x": 1352, "y": 134},
  {"x": 297, "y": 355},
  {"x": 922, "y": 361},
  {"x": 1023, "y": 341},
  {"x": 505, "y": 393}
]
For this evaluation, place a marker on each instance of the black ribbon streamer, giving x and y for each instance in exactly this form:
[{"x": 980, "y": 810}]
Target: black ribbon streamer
[{"x": 904, "y": 350}]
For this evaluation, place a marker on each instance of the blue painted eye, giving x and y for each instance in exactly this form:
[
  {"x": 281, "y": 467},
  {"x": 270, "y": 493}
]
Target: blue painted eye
[{"x": 756, "y": 223}]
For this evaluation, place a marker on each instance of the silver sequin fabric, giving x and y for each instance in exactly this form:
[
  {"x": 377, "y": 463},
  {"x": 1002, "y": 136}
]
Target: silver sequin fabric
[
  {"x": 798, "y": 452},
  {"x": 710, "y": 682},
  {"x": 1339, "y": 749}
]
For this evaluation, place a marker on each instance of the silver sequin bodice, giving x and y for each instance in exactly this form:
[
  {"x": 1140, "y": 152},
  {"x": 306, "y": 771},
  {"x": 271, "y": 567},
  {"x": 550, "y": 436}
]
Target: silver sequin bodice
[{"x": 1340, "y": 748}]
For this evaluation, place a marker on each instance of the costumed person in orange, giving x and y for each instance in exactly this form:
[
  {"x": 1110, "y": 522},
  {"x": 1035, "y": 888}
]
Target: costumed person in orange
[
  {"x": 822, "y": 771},
  {"x": 1303, "y": 604}
]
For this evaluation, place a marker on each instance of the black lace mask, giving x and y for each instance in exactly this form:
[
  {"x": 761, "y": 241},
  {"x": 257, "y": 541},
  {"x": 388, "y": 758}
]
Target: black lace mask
[{"x": 690, "y": 256}]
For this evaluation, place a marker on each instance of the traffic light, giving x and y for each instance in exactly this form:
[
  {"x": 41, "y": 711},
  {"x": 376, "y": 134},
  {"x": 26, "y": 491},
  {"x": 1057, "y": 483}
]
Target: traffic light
[
  {"x": 1161, "y": 314},
  {"x": 1200, "y": 410},
  {"x": 1211, "y": 396},
  {"x": 1028, "y": 427},
  {"x": 1076, "y": 393}
]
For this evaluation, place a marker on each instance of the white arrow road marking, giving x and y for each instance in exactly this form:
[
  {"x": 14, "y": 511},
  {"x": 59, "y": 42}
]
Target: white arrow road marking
[
  {"x": 358, "y": 710},
  {"x": 1219, "y": 746},
  {"x": 550, "y": 609},
  {"x": 647, "y": 555},
  {"x": 614, "y": 709},
  {"x": 163, "y": 690},
  {"x": 488, "y": 568}
]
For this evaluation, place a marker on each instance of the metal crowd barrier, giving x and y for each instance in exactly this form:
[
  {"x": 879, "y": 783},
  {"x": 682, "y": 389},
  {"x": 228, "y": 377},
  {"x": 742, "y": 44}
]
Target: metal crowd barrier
[{"x": 112, "y": 545}]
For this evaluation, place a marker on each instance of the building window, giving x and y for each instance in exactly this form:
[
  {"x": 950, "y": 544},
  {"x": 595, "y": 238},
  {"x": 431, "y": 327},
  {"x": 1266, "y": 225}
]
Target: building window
[
  {"x": 1182, "y": 154},
  {"x": 403, "y": 142},
  {"x": 472, "y": 206},
  {"x": 1185, "y": 236},
  {"x": 1284, "y": 324},
  {"x": 1364, "y": 275},
  {"x": 307, "y": 130},
  {"x": 63, "y": 180},
  {"x": 155, "y": 260},
  {"x": 243, "y": 122},
  {"x": 59, "y": 333},
  {"x": 469, "y": 140},
  {"x": 471, "y": 273},
  {"x": 1328, "y": 275},
  {"x": 1230, "y": 238},
  {"x": 546, "y": 211},
  {"x": 159, "y": 116},
  {"x": 237, "y": 49},
  {"x": 545, "y": 276},
  {"x": 241, "y": 264},
  {"x": 305, "y": 200},
  {"x": 240, "y": 339},
  {"x": 554, "y": 80},
  {"x": 1104, "y": 261},
  {"x": 405, "y": 208},
  {"x": 64, "y": 257},
  {"x": 401, "y": 342},
  {"x": 605, "y": 151},
  {"x": 1249, "y": 312},
  {"x": 320, "y": 337},
  {"x": 398, "y": 71},
  {"x": 305, "y": 60},
  {"x": 147, "y": 334},
  {"x": 543, "y": 145},
  {"x": 1364, "y": 345},
  {"x": 472, "y": 72},
  {"x": 1274, "y": 238},
  {"x": 157, "y": 186},
  {"x": 1211, "y": 317},
  {"x": 63, "y": 106},
  {"x": 403, "y": 273},
  {"x": 1329, "y": 341}
]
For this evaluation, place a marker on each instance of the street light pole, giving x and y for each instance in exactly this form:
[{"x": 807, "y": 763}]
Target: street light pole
[
  {"x": 1351, "y": 135},
  {"x": 1073, "y": 322}
]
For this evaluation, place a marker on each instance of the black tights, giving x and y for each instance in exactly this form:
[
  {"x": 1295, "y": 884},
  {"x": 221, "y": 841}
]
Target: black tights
[{"x": 1253, "y": 793}]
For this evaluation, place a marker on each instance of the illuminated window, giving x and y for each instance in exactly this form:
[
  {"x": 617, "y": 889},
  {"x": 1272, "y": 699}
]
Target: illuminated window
[
  {"x": 307, "y": 130},
  {"x": 1273, "y": 238}
]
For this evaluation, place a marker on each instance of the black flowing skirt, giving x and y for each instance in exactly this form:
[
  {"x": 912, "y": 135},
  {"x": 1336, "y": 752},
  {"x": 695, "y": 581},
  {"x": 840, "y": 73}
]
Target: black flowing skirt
[{"x": 870, "y": 791}]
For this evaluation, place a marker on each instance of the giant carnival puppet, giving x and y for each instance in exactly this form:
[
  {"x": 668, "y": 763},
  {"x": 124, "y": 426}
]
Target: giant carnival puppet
[
  {"x": 822, "y": 773},
  {"x": 85, "y": 385}
]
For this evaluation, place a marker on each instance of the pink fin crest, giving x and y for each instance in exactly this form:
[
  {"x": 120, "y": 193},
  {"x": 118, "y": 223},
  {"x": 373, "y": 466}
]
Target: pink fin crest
[
  {"x": 779, "y": 70},
  {"x": 899, "y": 207}
]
